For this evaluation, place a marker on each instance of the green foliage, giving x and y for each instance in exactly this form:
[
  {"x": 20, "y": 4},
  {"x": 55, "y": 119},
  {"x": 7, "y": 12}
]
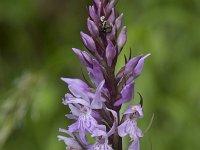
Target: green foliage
[{"x": 36, "y": 38}]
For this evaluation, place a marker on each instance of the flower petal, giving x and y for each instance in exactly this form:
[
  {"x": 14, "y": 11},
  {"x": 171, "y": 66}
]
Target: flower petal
[
  {"x": 96, "y": 73},
  {"x": 134, "y": 109},
  {"x": 98, "y": 132},
  {"x": 133, "y": 66},
  {"x": 121, "y": 39},
  {"x": 110, "y": 52},
  {"x": 88, "y": 42},
  {"x": 138, "y": 69},
  {"x": 75, "y": 82},
  {"x": 109, "y": 6},
  {"x": 97, "y": 101},
  {"x": 82, "y": 133},
  {"x": 73, "y": 128},
  {"x": 132, "y": 63},
  {"x": 70, "y": 116},
  {"x": 115, "y": 123},
  {"x": 118, "y": 21},
  {"x": 79, "y": 101},
  {"x": 94, "y": 31},
  {"x": 111, "y": 18},
  {"x": 127, "y": 94},
  {"x": 78, "y": 88},
  {"x": 84, "y": 57},
  {"x": 78, "y": 92},
  {"x": 75, "y": 111},
  {"x": 93, "y": 14},
  {"x": 139, "y": 132},
  {"x": 135, "y": 145},
  {"x": 70, "y": 142},
  {"x": 122, "y": 129}
]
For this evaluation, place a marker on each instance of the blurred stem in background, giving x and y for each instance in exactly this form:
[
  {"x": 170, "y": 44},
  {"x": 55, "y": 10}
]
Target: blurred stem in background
[{"x": 19, "y": 100}]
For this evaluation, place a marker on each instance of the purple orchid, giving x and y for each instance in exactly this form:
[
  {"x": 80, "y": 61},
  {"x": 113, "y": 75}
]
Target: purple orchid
[
  {"x": 81, "y": 106},
  {"x": 101, "y": 140},
  {"x": 129, "y": 126},
  {"x": 95, "y": 106},
  {"x": 101, "y": 136},
  {"x": 70, "y": 142}
]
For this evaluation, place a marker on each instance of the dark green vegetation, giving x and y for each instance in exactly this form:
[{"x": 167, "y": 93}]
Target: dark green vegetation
[{"x": 36, "y": 38}]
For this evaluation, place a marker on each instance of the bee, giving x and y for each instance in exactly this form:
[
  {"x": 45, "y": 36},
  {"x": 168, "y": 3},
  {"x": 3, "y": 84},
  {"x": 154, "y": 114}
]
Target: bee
[{"x": 106, "y": 27}]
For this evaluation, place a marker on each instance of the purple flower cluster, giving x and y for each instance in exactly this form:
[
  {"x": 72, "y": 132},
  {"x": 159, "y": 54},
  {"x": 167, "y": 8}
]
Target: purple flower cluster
[{"x": 95, "y": 106}]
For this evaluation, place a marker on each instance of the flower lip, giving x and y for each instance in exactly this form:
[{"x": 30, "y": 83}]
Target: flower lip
[
  {"x": 99, "y": 133},
  {"x": 101, "y": 140},
  {"x": 136, "y": 110}
]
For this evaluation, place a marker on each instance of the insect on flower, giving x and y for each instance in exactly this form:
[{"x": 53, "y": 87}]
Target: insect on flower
[{"x": 106, "y": 26}]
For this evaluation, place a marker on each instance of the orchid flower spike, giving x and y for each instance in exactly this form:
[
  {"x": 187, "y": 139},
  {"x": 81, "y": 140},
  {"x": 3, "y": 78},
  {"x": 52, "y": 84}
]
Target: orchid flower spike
[{"x": 95, "y": 106}]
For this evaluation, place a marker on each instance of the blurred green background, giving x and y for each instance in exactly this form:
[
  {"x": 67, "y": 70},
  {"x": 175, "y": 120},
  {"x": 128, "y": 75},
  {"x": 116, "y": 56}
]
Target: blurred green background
[{"x": 36, "y": 37}]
